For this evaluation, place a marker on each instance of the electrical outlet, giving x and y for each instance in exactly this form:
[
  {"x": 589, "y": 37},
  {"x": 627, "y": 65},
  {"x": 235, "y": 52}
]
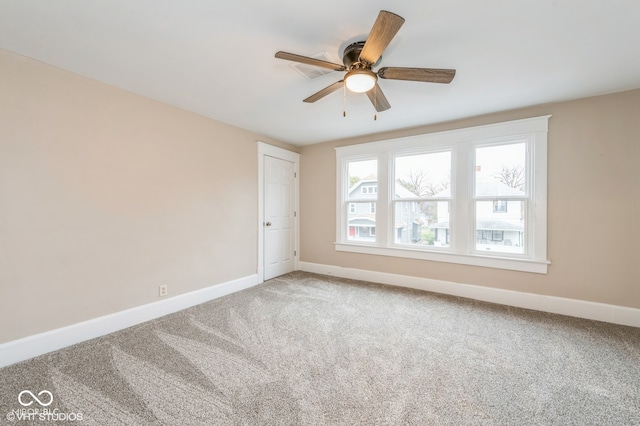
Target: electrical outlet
[{"x": 162, "y": 290}]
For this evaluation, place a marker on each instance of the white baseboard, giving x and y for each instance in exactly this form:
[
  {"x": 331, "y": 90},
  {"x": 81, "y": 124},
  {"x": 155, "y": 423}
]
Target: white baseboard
[
  {"x": 31, "y": 346},
  {"x": 38, "y": 344},
  {"x": 558, "y": 305}
]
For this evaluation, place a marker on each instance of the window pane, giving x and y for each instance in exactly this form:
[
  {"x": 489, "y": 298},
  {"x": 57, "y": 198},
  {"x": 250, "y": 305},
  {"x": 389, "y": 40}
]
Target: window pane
[
  {"x": 361, "y": 222},
  {"x": 424, "y": 223},
  {"x": 500, "y": 206},
  {"x": 500, "y": 170},
  {"x": 424, "y": 175},
  {"x": 500, "y": 232},
  {"x": 362, "y": 181}
]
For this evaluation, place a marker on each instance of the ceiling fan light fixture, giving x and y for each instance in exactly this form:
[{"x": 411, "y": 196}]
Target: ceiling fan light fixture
[{"x": 360, "y": 80}]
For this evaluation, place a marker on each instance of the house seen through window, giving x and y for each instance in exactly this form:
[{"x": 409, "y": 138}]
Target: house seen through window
[{"x": 362, "y": 196}]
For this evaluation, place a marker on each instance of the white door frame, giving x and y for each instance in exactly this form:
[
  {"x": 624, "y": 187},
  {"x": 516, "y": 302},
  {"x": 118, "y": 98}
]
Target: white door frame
[{"x": 265, "y": 149}]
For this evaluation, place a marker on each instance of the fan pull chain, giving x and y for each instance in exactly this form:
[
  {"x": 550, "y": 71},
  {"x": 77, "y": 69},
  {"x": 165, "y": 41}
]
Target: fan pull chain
[
  {"x": 344, "y": 100},
  {"x": 375, "y": 102}
]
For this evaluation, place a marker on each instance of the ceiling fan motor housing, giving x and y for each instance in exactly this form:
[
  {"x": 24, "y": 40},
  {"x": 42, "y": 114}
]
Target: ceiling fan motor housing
[{"x": 351, "y": 56}]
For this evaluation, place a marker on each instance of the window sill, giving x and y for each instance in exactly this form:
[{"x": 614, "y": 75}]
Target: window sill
[{"x": 523, "y": 265}]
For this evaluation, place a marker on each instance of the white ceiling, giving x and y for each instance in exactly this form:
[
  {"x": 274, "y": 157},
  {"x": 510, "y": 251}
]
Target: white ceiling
[{"x": 216, "y": 58}]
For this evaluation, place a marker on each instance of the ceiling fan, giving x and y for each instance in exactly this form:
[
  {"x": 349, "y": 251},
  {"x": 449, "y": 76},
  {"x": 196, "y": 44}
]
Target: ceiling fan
[{"x": 359, "y": 58}]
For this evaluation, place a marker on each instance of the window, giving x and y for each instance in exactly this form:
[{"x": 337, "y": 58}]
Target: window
[
  {"x": 420, "y": 197},
  {"x": 500, "y": 206},
  {"x": 500, "y": 171},
  {"x": 466, "y": 196},
  {"x": 361, "y": 188}
]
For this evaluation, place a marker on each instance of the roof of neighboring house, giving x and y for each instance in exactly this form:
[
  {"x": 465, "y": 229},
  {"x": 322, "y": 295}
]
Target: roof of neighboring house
[
  {"x": 487, "y": 188},
  {"x": 358, "y": 184},
  {"x": 486, "y": 225},
  {"x": 498, "y": 225},
  {"x": 401, "y": 192},
  {"x": 369, "y": 219},
  {"x": 360, "y": 220}
]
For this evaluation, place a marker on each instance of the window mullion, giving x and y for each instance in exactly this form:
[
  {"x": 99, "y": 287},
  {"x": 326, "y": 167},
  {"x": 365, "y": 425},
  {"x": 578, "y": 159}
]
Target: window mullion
[
  {"x": 341, "y": 199},
  {"x": 383, "y": 213},
  {"x": 462, "y": 208}
]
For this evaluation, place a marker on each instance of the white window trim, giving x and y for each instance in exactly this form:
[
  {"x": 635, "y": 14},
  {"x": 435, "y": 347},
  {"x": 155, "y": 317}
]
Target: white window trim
[{"x": 461, "y": 143}]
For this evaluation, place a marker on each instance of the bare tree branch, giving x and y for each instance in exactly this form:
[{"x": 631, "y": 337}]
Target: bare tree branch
[
  {"x": 512, "y": 176},
  {"x": 419, "y": 183},
  {"x": 416, "y": 183}
]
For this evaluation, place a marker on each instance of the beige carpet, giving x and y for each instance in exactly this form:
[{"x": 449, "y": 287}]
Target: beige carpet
[{"x": 306, "y": 349}]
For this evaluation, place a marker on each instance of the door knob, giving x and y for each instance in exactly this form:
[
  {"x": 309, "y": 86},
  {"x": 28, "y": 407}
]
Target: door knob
[{"x": 267, "y": 224}]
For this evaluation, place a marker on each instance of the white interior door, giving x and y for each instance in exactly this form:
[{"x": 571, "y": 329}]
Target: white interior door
[{"x": 279, "y": 217}]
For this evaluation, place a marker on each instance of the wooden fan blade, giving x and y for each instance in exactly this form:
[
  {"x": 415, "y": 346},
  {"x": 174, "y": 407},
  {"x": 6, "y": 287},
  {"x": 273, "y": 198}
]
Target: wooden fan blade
[
  {"x": 384, "y": 29},
  {"x": 429, "y": 75},
  {"x": 324, "y": 92},
  {"x": 310, "y": 61},
  {"x": 377, "y": 98}
]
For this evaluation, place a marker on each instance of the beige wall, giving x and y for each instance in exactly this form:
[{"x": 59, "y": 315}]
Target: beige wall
[
  {"x": 105, "y": 195},
  {"x": 593, "y": 205}
]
